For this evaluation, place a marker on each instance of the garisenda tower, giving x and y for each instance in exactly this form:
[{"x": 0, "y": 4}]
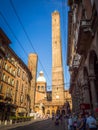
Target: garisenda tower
[{"x": 57, "y": 65}]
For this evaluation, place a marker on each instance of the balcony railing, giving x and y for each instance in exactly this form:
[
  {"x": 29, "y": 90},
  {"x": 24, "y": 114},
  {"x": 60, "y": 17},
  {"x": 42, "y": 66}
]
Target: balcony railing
[{"x": 84, "y": 36}]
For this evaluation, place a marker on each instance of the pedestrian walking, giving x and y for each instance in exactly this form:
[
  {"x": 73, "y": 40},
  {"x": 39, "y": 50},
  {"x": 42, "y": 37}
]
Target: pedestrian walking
[
  {"x": 70, "y": 123},
  {"x": 80, "y": 123},
  {"x": 91, "y": 122}
]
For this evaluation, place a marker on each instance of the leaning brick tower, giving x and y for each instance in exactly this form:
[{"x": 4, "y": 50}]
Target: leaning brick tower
[
  {"x": 57, "y": 67},
  {"x": 32, "y": 65}
]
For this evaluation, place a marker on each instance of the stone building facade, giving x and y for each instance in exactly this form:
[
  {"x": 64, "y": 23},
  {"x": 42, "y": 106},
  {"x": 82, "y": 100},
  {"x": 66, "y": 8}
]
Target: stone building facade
[
  {"x": 15, "y": 82},
  {"x": 83, "y": 54}
]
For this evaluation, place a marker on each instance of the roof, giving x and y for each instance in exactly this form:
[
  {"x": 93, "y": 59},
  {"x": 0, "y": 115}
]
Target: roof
[{"x": 41, "y": 77}]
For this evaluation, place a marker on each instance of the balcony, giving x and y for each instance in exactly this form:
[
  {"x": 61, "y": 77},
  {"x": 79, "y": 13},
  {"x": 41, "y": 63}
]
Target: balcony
[{"x": 84, "y": 37}]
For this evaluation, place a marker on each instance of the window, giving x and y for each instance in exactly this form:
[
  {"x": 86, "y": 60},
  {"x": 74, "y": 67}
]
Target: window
[
  {"x": 6, "y": 66},
  {"x": 14, "y": 72},
  {"x": 9, "y": 80},
  {"x": 0, "y": 88},
  {"x": 18, "y": 71},
  {"x": 4, "y": 77},
  {"x": 17, "y": 83},
  {"x": 42, "y": 87},
  {"x": 21, "y": 99},
  {"x": 38, "y": 87},
  {"x": 12, "y": 82}
]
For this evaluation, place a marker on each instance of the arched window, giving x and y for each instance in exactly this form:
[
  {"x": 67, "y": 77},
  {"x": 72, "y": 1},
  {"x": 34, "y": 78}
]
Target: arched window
[
  {"x": 42, "y": 87},
  {"x": 13, "y": 82},
  {"x": 6, "y": 66},
  {"x": 4, "y": 76},
  {"x": 6, "y": 79},
  {"x": 14, "y": 72},
  {"x": 10, "y": 69},
  {"x": 9, "y": 80}
]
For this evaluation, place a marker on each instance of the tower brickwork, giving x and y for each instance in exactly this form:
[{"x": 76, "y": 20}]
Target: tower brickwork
[
  {"x": 32, "y": 65},
  {"x": 57, "y": 67}
]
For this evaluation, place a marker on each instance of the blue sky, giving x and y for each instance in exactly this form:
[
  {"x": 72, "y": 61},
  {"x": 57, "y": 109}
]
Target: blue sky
[{"x": 29, "y": 29}]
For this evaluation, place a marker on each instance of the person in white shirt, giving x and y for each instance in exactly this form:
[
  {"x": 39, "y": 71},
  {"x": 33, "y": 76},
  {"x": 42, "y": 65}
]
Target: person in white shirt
[
  {"x": 70, "y": 123},
  {"x": 91, "y": 122}
]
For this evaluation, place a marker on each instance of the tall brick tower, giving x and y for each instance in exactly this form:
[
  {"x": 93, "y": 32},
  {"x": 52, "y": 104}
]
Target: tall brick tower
[
  {"x": 57, "y": 67},
  {"x": 32, "y": 65}
]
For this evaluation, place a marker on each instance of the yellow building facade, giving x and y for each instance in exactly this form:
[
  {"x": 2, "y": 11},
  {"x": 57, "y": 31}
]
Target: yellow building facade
[{"x": 15, "y": 82}]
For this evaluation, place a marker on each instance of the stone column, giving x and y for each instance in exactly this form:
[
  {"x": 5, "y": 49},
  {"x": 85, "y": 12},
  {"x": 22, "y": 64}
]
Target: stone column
[{"x": 93, "y": 92}]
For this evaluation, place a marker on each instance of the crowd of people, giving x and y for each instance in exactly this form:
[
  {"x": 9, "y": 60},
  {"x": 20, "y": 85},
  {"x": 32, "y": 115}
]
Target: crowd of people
[{"x": 82, "y": 122}]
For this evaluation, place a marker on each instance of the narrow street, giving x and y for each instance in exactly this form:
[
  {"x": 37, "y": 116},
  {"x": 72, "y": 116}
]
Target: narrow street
[{"x": 48, "y": 124}]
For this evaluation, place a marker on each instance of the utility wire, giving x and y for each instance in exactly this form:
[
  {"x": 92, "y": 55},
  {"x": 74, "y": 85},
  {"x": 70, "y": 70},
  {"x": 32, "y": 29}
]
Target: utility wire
[
  {"x": 27, "y": 35},
  {"x": 14, "y": 34}
]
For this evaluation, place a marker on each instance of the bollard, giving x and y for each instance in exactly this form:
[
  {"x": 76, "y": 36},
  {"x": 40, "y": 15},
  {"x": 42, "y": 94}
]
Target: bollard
[
  {"x": 0, "y": 122},
  {"x": 5, "y": 123},
  {"x": 10, "y": 122}
]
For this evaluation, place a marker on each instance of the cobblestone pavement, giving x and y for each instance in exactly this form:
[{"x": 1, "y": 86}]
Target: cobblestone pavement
[{"x": 38, "y": 125}]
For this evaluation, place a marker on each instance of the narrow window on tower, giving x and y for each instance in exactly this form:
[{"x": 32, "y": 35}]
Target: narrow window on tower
[{"x": 55, "y": 42}]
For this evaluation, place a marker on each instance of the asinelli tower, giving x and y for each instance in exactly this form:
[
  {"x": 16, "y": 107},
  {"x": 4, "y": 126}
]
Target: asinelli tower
[{"x": 57, "y": 66}]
